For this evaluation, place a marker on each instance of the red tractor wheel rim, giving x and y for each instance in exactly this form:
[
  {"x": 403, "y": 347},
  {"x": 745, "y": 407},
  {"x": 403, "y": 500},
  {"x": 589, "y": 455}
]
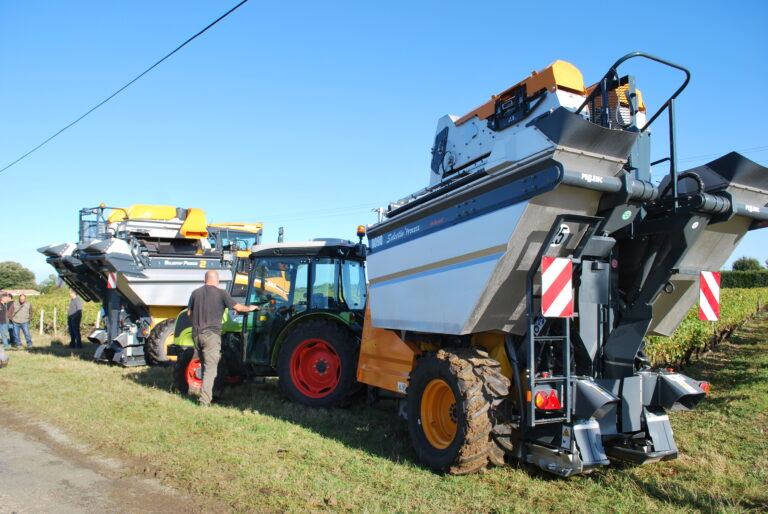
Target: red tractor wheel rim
[
  {"x": 315, "y": 368},
  {"x": 194, "y": 374}
]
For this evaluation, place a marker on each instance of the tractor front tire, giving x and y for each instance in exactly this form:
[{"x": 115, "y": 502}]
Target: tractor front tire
[
  {"x": 156, "y": 347},
  {"x": 317, "y": 364},
  {"x": 451, "y": 403},
  {"x": 187, "y": 373}
]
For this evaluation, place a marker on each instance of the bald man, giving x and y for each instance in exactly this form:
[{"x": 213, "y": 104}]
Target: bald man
[{"x": 206, "y": 308}]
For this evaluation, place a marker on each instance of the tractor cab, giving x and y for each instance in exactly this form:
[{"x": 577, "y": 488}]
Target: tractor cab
[
  {"x": 291, "y": 282},
  {"x": 311, "y": 299}
]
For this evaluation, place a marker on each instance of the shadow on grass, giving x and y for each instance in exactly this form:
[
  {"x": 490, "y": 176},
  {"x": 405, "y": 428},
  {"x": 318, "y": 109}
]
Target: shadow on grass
[
  {"x": 678, "y": 494},
  {"x": 59, "y": 348},
  {"x": 376, "y": 429}
]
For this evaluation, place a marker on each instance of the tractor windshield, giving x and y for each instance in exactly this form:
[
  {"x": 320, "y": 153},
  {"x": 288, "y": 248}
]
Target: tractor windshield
[{"x": 301, "y": 284}]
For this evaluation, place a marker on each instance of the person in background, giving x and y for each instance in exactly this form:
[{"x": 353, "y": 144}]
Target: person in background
[
  {"x": 20, "y": 316},
  {"x": 3, "y": 358},
  {"x": 74, "y": 317},
  {"x": 5, "y": 298},
  {"x": 206, "y": 307}
]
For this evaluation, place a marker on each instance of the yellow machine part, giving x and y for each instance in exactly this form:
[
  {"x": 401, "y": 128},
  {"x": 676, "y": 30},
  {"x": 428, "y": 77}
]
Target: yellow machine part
[
  {"x": 493, "y": 343},
  {"x": 194, "y": 226},
  {"x": 558, "y": 75},
  {"x": 142, "y": 212},
  {"x": 386, "y": 361},
  {"x": 160, "y": 313},
  {"x": 277, "y": 285},
  {"x": 618, "y": 96},
  {"x": 254, "y": 228}
]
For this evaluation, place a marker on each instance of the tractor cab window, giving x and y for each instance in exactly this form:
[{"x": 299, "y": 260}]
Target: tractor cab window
[
  {"x": 325, "y": 286},
  {"x": 353, "y": 290},
  {"x": 240, "y": 280},
  {"x": 232, "y": 240},
  {"x": 272, "y": 280}
]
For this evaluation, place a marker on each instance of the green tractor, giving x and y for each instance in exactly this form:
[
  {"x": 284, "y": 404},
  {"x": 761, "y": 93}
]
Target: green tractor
[{"x": 312, "y": 297}]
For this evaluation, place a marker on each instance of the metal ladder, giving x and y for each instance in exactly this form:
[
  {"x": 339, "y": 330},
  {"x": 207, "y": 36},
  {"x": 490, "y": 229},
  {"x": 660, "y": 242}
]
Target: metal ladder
[{"x": 563, "y": 382}]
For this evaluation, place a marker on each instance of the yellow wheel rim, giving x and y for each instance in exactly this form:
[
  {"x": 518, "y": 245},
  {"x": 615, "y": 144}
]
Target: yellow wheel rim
[{"x": 439, "y": 414}]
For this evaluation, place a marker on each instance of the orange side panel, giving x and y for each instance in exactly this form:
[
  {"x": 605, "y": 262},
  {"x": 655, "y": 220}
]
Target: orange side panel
[
  {"x": 558, "y": 75},
  {"x": 386, "y": 361}
]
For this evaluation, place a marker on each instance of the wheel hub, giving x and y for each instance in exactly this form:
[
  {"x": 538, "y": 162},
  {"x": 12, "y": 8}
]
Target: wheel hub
[
  {"x": 315, "y": 368},
  {"x": 439, "y": 414}
]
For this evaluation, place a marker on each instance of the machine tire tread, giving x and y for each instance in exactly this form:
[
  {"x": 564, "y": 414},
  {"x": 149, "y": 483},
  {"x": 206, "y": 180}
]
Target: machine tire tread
[
  {"x": 154, "y": 349},
  {"x": 481, "y": 388}
]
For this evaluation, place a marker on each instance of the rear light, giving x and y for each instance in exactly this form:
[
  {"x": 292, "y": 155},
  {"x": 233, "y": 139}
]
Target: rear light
[
  {"x": 704, "y": 386},
  {"x": 547, "y": 400}
]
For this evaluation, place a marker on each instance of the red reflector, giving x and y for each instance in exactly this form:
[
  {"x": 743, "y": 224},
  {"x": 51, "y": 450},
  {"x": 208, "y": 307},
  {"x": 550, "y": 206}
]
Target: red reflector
[
  {"x": 704, "y": 386},
  {"x": 671, "y": 370},
  {"x": 547, "y": 400}
]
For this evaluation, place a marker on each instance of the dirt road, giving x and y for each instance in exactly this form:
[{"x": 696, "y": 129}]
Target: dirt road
[{"x": 43, "y": 470}]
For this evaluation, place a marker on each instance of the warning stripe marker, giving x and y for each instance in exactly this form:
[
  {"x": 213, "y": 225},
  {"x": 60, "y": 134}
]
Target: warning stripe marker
[
  {"x": 709, "y": 296},
  {"x": 556, "y": 287},
  {"x": 111, "y": 280}
]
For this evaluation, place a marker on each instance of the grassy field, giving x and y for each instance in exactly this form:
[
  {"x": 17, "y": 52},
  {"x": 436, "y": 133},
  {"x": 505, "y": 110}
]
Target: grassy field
[{"x": 255, "y": 451}]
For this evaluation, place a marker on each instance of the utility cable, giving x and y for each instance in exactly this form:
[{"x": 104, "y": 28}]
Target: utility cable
[{"x": 110, "y": 97}]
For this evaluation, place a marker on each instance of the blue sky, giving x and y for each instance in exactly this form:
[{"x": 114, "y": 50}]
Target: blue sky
[{"x": 308, "y": 115}]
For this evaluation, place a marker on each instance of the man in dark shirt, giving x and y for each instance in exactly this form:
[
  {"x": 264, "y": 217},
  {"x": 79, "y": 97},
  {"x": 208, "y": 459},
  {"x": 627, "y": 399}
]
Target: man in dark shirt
[
  {"x": 206, "y": 308},
  {"x": 74, "y": 317}
]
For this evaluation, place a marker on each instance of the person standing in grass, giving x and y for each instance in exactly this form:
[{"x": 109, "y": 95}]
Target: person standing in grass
[
  {"x": 206, "y": 308},
  {"x": 20, "y": 316},
  {"x": 5, "y": 298},
  {"x": 74, "y": 317}
]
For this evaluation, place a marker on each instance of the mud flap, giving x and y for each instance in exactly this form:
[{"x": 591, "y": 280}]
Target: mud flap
[
  {"x": 660, "y": 434},
  {"x": 590, "y": 444}
]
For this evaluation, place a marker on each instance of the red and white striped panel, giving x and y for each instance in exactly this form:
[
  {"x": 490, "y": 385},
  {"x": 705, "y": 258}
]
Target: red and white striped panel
[
  {"x": 111, "y": 280},
  {"x": 709, "y": 296},
  {"x": 556, "y": 287}
]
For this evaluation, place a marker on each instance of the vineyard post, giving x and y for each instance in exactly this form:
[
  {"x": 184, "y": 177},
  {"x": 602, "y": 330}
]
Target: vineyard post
[{"x": 42, "y": 315}]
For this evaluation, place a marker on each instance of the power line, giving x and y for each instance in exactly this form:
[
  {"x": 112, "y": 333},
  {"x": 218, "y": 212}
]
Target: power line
[
  {"x": 110, "y": 97},
  {"x": 754, "y": 149}
]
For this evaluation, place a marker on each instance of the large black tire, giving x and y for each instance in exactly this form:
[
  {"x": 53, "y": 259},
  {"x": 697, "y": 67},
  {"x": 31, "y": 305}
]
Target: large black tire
[
  {"x": 155, "y": 349},
  {"x": 317, "y": 364},
  {"x": 469, "y": 386}
]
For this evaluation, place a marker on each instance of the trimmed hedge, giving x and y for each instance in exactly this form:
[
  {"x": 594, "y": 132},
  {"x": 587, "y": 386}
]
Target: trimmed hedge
[
  {"x": 744, "y": 279},
  {"x": 694, "y": 336}
]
